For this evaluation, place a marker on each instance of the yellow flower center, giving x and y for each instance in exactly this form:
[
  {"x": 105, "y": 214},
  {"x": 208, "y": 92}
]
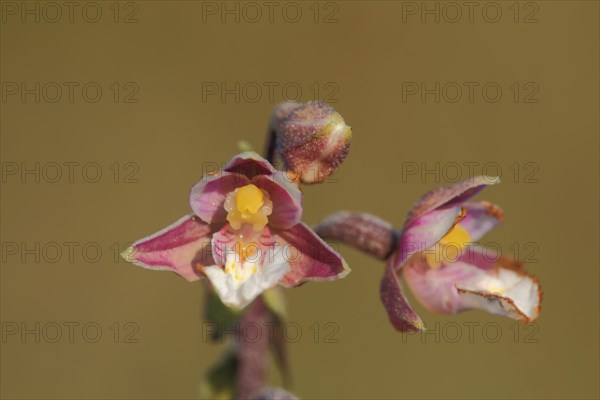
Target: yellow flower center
[
  {"x": 248, "y": 205},
  {"x": 248, "y": 199},
  {"x": 449, "y": 248}
]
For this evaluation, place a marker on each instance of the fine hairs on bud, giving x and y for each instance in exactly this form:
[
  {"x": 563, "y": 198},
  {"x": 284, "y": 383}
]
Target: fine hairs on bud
[{"x": 312, "y": 139}]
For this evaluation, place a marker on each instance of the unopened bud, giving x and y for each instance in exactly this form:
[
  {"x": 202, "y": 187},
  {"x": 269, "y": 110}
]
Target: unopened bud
[
  {"x": 280, "y": 112},
  {"x": 312, "y": 140}
]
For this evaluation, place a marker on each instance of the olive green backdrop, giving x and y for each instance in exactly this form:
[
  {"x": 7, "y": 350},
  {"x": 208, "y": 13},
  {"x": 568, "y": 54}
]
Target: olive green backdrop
[{"x": 169, "y": 107}]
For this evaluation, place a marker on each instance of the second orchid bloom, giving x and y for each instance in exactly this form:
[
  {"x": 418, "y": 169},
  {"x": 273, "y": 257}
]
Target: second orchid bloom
[{"x": 436, "y": 254}]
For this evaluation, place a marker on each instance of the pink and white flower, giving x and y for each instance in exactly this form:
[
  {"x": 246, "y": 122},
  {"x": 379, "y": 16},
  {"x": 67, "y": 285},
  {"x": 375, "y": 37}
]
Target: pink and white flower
[
  {"x": 447, "y": 271},
  {"x": 244, "y": 235},
  {"x": 436, "y": 254}
]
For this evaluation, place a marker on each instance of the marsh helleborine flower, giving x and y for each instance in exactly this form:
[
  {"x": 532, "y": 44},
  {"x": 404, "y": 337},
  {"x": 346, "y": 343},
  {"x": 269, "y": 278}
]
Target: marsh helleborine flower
[
  {"x": 245, "y": 235},
  {"x": 312, "y": 139},
  {"x": 436, "y": 255}
]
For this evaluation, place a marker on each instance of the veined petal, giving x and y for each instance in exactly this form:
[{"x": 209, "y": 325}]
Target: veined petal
[
  {"x": 226, "y": 240},
  {"x": 286, "y": 198},
  {"x": 481, "y": 217},
  {"x": 459, "y": 286},
  {"x": 249, "y": 164},
  {"x": 426, "y": 230},
  {"x": 400, "y": 313},
  {"x": 454, "y": 194},
  {"x": 208, "y": 195},
  {"x": 309, "y": 256},
  {"x": 183, "y": 247}
]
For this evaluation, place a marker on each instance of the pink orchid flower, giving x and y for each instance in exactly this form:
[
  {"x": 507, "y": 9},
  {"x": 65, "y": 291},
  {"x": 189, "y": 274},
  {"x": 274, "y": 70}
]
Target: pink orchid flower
[
  {"x": 437, "y": 256},
  {"x": 446, "y": 270},
  {"x": 244, "y": 235}
]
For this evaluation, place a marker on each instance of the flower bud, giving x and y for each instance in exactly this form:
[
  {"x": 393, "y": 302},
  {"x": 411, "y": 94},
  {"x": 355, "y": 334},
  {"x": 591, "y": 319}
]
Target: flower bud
[
  {"x": 280, "y": 112},
  {"x": 313, "y": 140}
]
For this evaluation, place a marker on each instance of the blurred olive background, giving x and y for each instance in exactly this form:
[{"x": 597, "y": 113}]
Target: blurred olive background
[{"x": 163, "y": 116}]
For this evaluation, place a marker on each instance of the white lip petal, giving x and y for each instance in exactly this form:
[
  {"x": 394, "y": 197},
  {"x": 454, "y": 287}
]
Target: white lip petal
[
  {"x": 502, "y": 288},
  {"x": 239, "y": 294},
  {"x": 515, "y": 295}
]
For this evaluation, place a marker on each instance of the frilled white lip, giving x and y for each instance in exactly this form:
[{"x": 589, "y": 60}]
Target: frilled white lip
[
  {"x": 509, "y": 293},
  {"x": 253, "y": 279},
  {"x": 500, "y": 289}
]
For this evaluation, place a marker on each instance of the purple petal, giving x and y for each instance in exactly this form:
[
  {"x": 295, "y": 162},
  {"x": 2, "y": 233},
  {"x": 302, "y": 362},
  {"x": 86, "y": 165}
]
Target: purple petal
[
  {"x": 183, "y": 247},
  {"x": 286, "y": 198},
  {"x": 400, "y": 313},
  {"x": 310, "y": 257},
  {"x": 450, "y": 195},
  {"x": 425, "y": 231},
  {"x": 208, "y": 195},
  {"x": 484, "y": 258},
  {"x": 249, "y": 164},
  {"x": 481, "y": 217}
]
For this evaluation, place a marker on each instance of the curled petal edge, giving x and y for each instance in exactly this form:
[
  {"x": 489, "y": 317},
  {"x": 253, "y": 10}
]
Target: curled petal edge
[{"x": 450, "y": 195}]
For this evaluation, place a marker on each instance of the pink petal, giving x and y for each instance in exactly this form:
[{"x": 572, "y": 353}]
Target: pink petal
[
  {"x": 481, "y": 217},
  {"x": 208, "y": 195},
  {"x": 484, "y": 258},
  {"x": 226, "y": 239},
  {"x": 183, "y": 247},
  {"x": 310, "y": 257},
  {"x": 453, "y": 194},
  {"x": 426, "y": 230},
  {"x": 459, "y": 286},
  {"x": 400, "y": 313},
  {"x": 286, "y": 198},
  {"x": 249, "y": 164}
]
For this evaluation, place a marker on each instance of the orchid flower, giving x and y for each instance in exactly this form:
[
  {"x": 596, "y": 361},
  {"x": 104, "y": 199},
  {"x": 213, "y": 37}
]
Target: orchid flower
[
  {"x": 244, "y": 235},
  {"x": 437, "y": 256}
]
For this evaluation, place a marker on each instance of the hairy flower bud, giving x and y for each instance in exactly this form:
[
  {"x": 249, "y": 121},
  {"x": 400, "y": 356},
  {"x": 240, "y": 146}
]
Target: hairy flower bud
[
  {"x": 280, "y": 112},
  {"x": 312, "y": 140}
]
